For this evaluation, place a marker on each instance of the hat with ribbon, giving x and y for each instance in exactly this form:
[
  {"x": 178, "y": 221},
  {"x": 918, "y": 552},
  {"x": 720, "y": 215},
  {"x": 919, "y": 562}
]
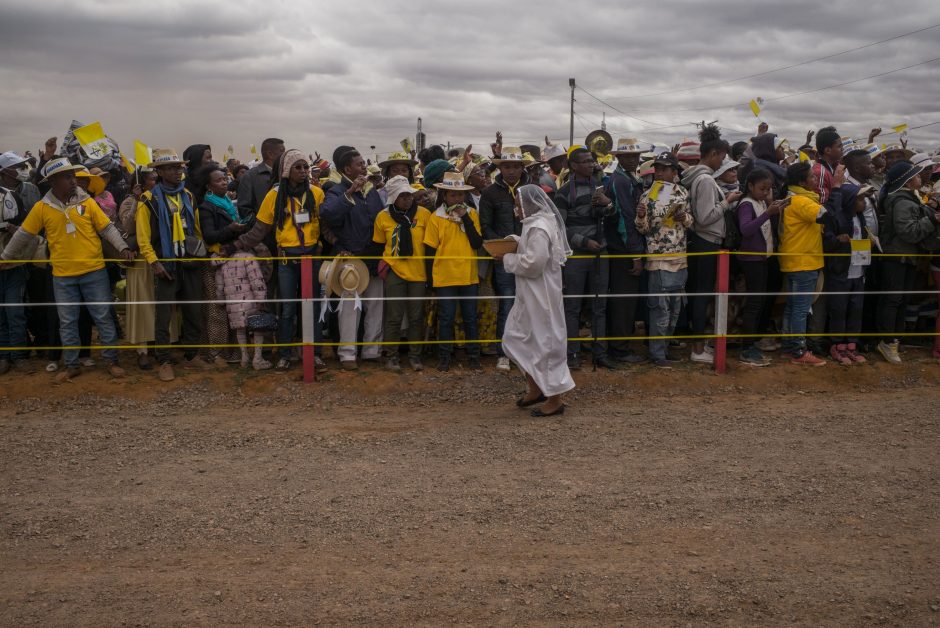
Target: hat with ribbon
[
  {"x": 165, "y": 157},
  {"x": 899, "y": 174},
  {"x": 397, "y": 158},
  {"x": 510, "y": 155},
  {"x": 344, "y": 275},
  {"x": 453, "y": 181},
  {"x": 908, "y": 153},
  {"x": 57, "y": 166},
  {"x": 627, "y": 146}
]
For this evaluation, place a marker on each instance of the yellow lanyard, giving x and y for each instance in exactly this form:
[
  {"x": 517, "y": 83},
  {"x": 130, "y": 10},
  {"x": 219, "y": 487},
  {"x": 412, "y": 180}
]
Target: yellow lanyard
[{"x": 303, "y": 203}]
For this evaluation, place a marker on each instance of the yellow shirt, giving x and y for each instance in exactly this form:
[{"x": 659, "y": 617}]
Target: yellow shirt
[
  {"x": 144, "y": 233},
  {"x": 450, "y": 241},
  {"x": 801, "y": 234},
  {"x": 74, "y": 243},
  {"x": 286, "y": 233},
  {"x": 406, "y": 268}
]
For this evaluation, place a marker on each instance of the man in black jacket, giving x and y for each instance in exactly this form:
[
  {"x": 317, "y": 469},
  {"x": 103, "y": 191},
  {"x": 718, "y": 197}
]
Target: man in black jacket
[
  {"x": 584, "y": 205},
  {"x": 498, "y": 220},
  {"x": 624, "y": 189}
]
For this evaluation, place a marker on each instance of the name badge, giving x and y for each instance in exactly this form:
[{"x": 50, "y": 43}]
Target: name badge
[
  {"x": 69, "y": 227},
  {"x": 861, "y": 252},
  {"x": 302, "y": 218}
]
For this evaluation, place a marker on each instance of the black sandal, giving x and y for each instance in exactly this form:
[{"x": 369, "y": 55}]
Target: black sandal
[
  {"x": 522, "y": 403},
  {"x": 558, "y": 412}
]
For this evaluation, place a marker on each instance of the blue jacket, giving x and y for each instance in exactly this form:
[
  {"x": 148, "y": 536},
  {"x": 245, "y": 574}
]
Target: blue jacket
[
  {"x": 351, "y": 223},
  {"x": 625, "y": 192}
]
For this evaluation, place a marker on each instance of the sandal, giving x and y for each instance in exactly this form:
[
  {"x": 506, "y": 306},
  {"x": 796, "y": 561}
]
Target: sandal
[
  {"x": 558, "y": 412},
  {"x": 522, "y": 403}
]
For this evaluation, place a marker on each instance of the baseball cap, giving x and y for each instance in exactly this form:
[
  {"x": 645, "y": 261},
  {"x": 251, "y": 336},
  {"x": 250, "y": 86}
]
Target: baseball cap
[{"x": 666, "y": 158}]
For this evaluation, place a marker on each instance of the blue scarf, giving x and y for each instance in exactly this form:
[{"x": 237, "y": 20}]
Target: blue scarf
[
  {"x": 224, "y": 202},
  {"x": 164, "y": 220}
]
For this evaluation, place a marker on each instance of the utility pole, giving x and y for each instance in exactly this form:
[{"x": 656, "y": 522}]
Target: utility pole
[
  {"x": 571, "y": 129},
  {"x": 604, "y": 121}
]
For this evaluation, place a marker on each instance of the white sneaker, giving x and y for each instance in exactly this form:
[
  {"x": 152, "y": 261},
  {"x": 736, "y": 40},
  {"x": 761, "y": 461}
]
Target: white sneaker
[
  {"x": 705, "y": 357},
  {"x": 502, "y": 364},
  {"x": 889, "y": 351},
  {"x": 767, "y": 344}
]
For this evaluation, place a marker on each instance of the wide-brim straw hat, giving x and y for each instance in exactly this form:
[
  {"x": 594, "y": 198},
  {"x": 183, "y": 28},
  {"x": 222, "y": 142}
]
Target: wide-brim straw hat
[
  {"x": 627, "y": 146},
  {"x": 510, "y": 155},
  {"x": 453, "y": 181},
  {"x": 397, "y": 158},
  {"x": 56, "y": 166},
  {"x": 165, "y": 157},
  {"x": 344, "y": 275},
  {"x": 908, "y": 153}
]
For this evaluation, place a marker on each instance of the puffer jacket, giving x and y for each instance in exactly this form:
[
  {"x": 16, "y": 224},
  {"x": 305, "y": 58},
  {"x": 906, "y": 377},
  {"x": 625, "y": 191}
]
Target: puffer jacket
[
  {"x": 242, "y": 283},
  {"x": 908, "y": 223}
]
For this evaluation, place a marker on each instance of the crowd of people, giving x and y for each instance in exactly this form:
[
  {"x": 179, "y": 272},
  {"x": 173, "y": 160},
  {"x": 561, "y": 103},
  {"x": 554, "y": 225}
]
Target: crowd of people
[{"x": 205, "y": 255}]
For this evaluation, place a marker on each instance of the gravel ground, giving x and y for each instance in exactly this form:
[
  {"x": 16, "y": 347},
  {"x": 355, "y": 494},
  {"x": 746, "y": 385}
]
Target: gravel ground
[{"x": 777, "y": 496}]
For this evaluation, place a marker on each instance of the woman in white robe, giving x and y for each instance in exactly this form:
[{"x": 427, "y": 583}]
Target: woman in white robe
[{"x": 536, "y": 335}]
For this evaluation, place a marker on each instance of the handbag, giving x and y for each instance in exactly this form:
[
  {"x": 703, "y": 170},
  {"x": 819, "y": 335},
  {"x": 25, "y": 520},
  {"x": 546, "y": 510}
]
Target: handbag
[
  {"x": 263, "y": 322},
  {"x": 194, "y": 248}
]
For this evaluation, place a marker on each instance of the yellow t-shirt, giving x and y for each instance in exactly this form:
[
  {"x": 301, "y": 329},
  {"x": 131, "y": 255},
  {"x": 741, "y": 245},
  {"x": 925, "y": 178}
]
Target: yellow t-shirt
[
  {"x": 286, "y": 232},
  {"x": 450, "y": 241},
  {"x": 801, "y": 234},
  {"x": 73, "y": 250},
  {"x": 407, "y": 268}
]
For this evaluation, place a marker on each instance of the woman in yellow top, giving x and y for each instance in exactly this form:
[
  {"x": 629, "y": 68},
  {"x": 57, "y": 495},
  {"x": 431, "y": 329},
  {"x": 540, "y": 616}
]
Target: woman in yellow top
[
  {"x": 801, "y": 253},
  {"x": 401, "y": 228},
  {"x": 292, "y": 207},
  {"x": 452, "y": 238}
]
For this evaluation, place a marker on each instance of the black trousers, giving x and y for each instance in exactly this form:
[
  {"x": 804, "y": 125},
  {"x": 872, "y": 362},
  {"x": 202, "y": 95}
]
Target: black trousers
[
  {"x": 845, "y": 310},
  {"x": 755, "y": 280},
  {"x": 703, "y": 271},
  {"x": 895, "y": 275},
  {"x": 621, "y": 312},
  {"x": 186, "y": 285}
]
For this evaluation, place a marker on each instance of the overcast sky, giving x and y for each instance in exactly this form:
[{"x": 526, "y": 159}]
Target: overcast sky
[{"x": 174, "y": 73}]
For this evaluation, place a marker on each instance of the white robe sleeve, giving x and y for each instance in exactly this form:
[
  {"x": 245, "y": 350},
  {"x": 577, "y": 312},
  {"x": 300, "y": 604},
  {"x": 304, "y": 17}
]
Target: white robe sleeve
[{"x": 532, "y": 261}]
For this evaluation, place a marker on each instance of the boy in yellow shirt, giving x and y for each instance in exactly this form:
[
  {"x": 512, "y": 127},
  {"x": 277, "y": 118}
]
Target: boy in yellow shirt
[{"x": 74, "y": 226}]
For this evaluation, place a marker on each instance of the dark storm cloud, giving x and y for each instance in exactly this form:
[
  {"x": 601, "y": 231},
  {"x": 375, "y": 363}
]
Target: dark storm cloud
[{"x": 317, "y": 74}]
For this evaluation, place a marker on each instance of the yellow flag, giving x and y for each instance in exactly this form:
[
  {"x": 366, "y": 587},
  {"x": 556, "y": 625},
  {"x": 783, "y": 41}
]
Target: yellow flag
[
  {"x": 755, "y": 106},
  {"x": 406, "y": 145},
  {"x": 254, "y": 151},
  {"x": 143, "y": 155},
  {"x": 225, "y": 158},
  {"x": 899, "y": 128},
  {"x": 231, "y": 149},
  {"x": 92, "y": 139},
  {"x": 803, "y": 157},
  {"x": 127, "y": 163},
  {"x": 89, "y": 133}
]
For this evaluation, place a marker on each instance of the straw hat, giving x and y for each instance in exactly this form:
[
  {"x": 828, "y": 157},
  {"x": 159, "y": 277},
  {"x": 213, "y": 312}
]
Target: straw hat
[
  {"x": 344, "y": 275},
  {"x": 165, "y": 157},
  {"x": 453, "y": 181},
  {"x": 510, "y": 155},
  {"x": 626, "y": 146},
  {"x": 553, "y": 151},
  {"x": 397, "y": 158},
  {"x": 55, "y": 166},
  {"x": 908, "y": 153}
]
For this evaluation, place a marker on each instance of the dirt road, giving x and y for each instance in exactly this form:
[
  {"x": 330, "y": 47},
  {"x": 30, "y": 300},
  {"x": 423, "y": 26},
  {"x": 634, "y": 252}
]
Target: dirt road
[{"x": 771, "y": 497}]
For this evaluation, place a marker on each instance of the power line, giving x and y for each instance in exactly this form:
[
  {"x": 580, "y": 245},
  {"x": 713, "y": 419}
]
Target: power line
[
  {"x": 776, "y": 98},
  {"x": 780, "y": 69}
]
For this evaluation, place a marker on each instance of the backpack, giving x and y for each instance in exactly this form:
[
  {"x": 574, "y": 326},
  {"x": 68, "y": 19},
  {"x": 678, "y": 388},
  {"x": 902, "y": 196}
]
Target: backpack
[{"x": 733, "y": 237}]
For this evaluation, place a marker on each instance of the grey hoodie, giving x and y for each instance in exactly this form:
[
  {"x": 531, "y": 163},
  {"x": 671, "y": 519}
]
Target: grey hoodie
[{"x": 708, "y": 203}]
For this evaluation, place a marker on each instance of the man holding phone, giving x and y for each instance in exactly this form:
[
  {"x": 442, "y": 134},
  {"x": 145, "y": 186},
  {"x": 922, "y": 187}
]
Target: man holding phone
[{"x": 584, "y": 206}]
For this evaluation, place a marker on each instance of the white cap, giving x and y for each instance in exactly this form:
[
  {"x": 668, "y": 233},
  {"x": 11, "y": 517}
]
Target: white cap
[{"x": 10, "y": 159}]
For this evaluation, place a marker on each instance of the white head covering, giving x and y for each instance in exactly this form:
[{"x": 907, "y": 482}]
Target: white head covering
[{"x": 536, "y": 206}]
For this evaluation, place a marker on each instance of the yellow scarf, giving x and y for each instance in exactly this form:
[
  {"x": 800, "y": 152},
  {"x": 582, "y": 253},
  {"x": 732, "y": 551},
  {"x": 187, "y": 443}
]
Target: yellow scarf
[
  {"x": 179, "y": 231},
  {"x": 801, "y": 191}
]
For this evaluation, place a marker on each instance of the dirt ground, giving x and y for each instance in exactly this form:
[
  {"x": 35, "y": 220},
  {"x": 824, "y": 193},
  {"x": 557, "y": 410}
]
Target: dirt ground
[{"x": 780, "y": 496}]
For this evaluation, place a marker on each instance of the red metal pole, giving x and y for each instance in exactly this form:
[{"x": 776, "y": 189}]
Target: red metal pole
[
  {"x": 721, "y": 312},
  {"x": 308, "y": 320}
]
